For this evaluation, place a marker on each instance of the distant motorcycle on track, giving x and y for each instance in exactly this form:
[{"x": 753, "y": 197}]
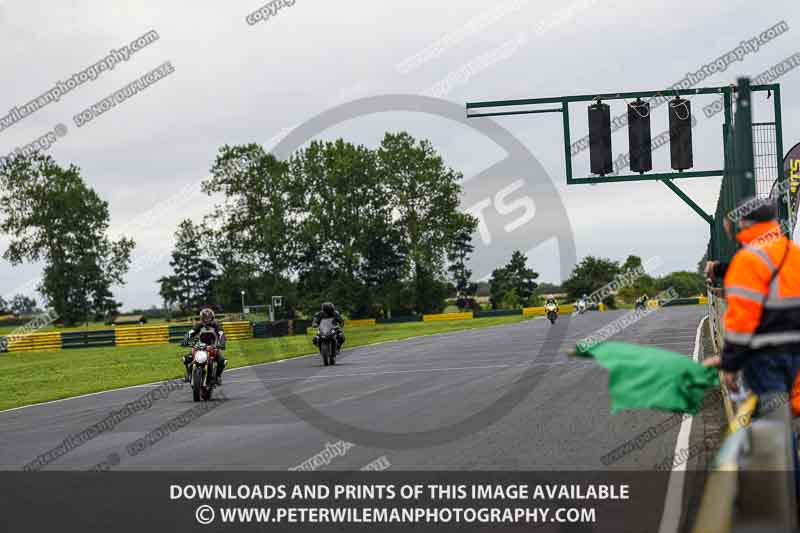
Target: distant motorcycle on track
[
  {"x": 328, "y": 345},
  {"x": 552, "y": 312}
]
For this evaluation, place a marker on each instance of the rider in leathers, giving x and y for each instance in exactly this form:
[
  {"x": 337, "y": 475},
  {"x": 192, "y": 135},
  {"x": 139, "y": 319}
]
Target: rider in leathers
[
  {"x": 209, "y": 332},
  {"x": 329, "y": 311}
]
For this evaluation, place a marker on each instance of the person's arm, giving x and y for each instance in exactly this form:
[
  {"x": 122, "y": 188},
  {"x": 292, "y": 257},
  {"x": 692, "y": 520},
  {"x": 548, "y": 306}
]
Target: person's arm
[
  {"x": 716, "y": 269},
  {"x": 189, "y": 334},
  {"x": 221, "y": 341},
  {"x": 315, "y": 321}
]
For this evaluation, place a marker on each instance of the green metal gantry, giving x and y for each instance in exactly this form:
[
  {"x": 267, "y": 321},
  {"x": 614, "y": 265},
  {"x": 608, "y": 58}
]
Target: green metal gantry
[{"x": 738, "y": 169}]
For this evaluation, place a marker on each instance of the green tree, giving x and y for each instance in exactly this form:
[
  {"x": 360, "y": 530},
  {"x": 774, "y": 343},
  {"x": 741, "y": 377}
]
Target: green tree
[
  {"x": 643, "y": 284},
  {"x": 348, "y": 244},
  {"x": 521, "y": 278},
  {"x": 52, "y": 216},
  {"x": 589, "y": 275},
  {"x": 632, "y": 262},
  {"x": 511, "y": 300},
  {"x": 190, "y": 285},
  {"x": 22, "y": 305},
  {"x": 384, "y": 268},
  {"x": 425, "y": 195},
  {"x": 638, "y": 285},
  {"x": 685, "y": 283},
  {"x": 461, "y": 275},
  {"x": 253, "y": 241},
  {"x": 499, "y": 285},
  {"x": 516, "y": 278},
  {"x": 367, "y": 229}
]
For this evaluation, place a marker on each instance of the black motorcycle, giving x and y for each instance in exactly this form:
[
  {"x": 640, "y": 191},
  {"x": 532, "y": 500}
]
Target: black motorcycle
[{"x": 327, "y": 343}]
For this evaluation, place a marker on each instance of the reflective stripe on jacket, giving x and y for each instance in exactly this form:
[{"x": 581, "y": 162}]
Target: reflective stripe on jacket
[{"x": 763, "y": 308}]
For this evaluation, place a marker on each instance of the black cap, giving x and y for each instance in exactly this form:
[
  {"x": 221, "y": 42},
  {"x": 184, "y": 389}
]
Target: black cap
[{"x": 755, "y": 210}]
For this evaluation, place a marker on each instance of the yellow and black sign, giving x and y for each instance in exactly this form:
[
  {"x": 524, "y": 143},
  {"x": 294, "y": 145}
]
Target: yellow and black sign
[{"x": 791, "y": 168}]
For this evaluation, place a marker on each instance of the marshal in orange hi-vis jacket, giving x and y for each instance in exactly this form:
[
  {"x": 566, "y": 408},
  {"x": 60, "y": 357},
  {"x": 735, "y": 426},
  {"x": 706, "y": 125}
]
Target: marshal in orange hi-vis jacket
[{"x": 762, "y": 287}]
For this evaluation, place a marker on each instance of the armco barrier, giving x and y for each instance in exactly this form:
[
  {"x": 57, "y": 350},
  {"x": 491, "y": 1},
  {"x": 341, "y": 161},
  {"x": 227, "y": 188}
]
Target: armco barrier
[
  {"x": 299, "y": 326},
  {"x": 123, "y": 336},
  {"x": 236, "y": 331},
  {"x": 34, "y": 342},
  {"x": 682, "y": 301},
  {"x": 263, "y": 330},
  {"x": 399, "y": 319},
  {"x": 233, "y": 331},
  {"x": 751, "y": 485},
  {"x": 88, "y": 339},
  {"x": 177, "y": 333},
  {"x": 360, "y": 322},
  {"x": 142, "y": 335},
  {"x": 497, "y": 312},
  {"x": 447, "y": 316}
]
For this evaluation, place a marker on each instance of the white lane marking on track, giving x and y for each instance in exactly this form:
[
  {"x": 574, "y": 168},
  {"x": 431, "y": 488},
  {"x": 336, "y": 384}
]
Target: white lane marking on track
[
  {"x": 670, "y": 519},
  {"x": 416, "y": 370}
]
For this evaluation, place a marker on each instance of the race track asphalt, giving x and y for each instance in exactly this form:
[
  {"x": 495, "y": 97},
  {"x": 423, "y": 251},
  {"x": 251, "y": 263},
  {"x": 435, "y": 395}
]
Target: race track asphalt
[
  {"x": 380, "y": 398},
  {"x": 401, "y": 387}
]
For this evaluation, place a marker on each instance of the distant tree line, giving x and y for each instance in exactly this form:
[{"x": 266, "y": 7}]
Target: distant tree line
[
  {"x": 377, "y": 231},
  {"x": 513, "y": 285},
  {"x": 592, "y": 273},
  {"x": 19, "y": 305}
]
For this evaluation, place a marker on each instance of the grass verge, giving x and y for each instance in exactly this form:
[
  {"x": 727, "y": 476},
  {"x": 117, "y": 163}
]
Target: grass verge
[{"x": 34, "y": 377}]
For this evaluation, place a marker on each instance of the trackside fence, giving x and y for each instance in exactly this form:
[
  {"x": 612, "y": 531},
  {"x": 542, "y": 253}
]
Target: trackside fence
[{"x": 752, "y": 483}]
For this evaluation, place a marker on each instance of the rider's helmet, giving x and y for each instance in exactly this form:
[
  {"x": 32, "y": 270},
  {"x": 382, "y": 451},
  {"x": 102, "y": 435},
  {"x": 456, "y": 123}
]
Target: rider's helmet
[
  {"x": 584, "y": 296},
  {"x": 328, "y": 308},
  {"x": 206, "y": 316}
]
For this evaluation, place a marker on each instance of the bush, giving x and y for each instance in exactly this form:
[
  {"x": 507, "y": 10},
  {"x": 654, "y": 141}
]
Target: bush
[{"x": 510, "y": 300}]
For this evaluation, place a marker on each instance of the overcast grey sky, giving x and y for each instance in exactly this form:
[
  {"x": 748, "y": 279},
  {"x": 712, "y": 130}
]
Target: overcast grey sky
[{"x": 235, "y": 82}]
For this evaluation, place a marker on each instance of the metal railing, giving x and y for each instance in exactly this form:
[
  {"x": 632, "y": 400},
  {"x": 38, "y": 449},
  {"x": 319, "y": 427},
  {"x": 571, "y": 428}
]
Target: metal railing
[{"x": 751, "y": 486}]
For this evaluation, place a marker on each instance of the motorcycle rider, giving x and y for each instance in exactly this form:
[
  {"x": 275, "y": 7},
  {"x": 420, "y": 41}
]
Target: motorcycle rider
[
  {"x": 641, "y": 302},
  {"x": 209, "y": 332},
  {"x": 551, "y": 306},
  {"x": 328, "y": 310},
  {"x": 584, "y": 301}
]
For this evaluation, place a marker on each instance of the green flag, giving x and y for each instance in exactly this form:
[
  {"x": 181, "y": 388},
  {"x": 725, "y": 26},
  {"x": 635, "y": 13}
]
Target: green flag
[{"x": 643, "y": 377}]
